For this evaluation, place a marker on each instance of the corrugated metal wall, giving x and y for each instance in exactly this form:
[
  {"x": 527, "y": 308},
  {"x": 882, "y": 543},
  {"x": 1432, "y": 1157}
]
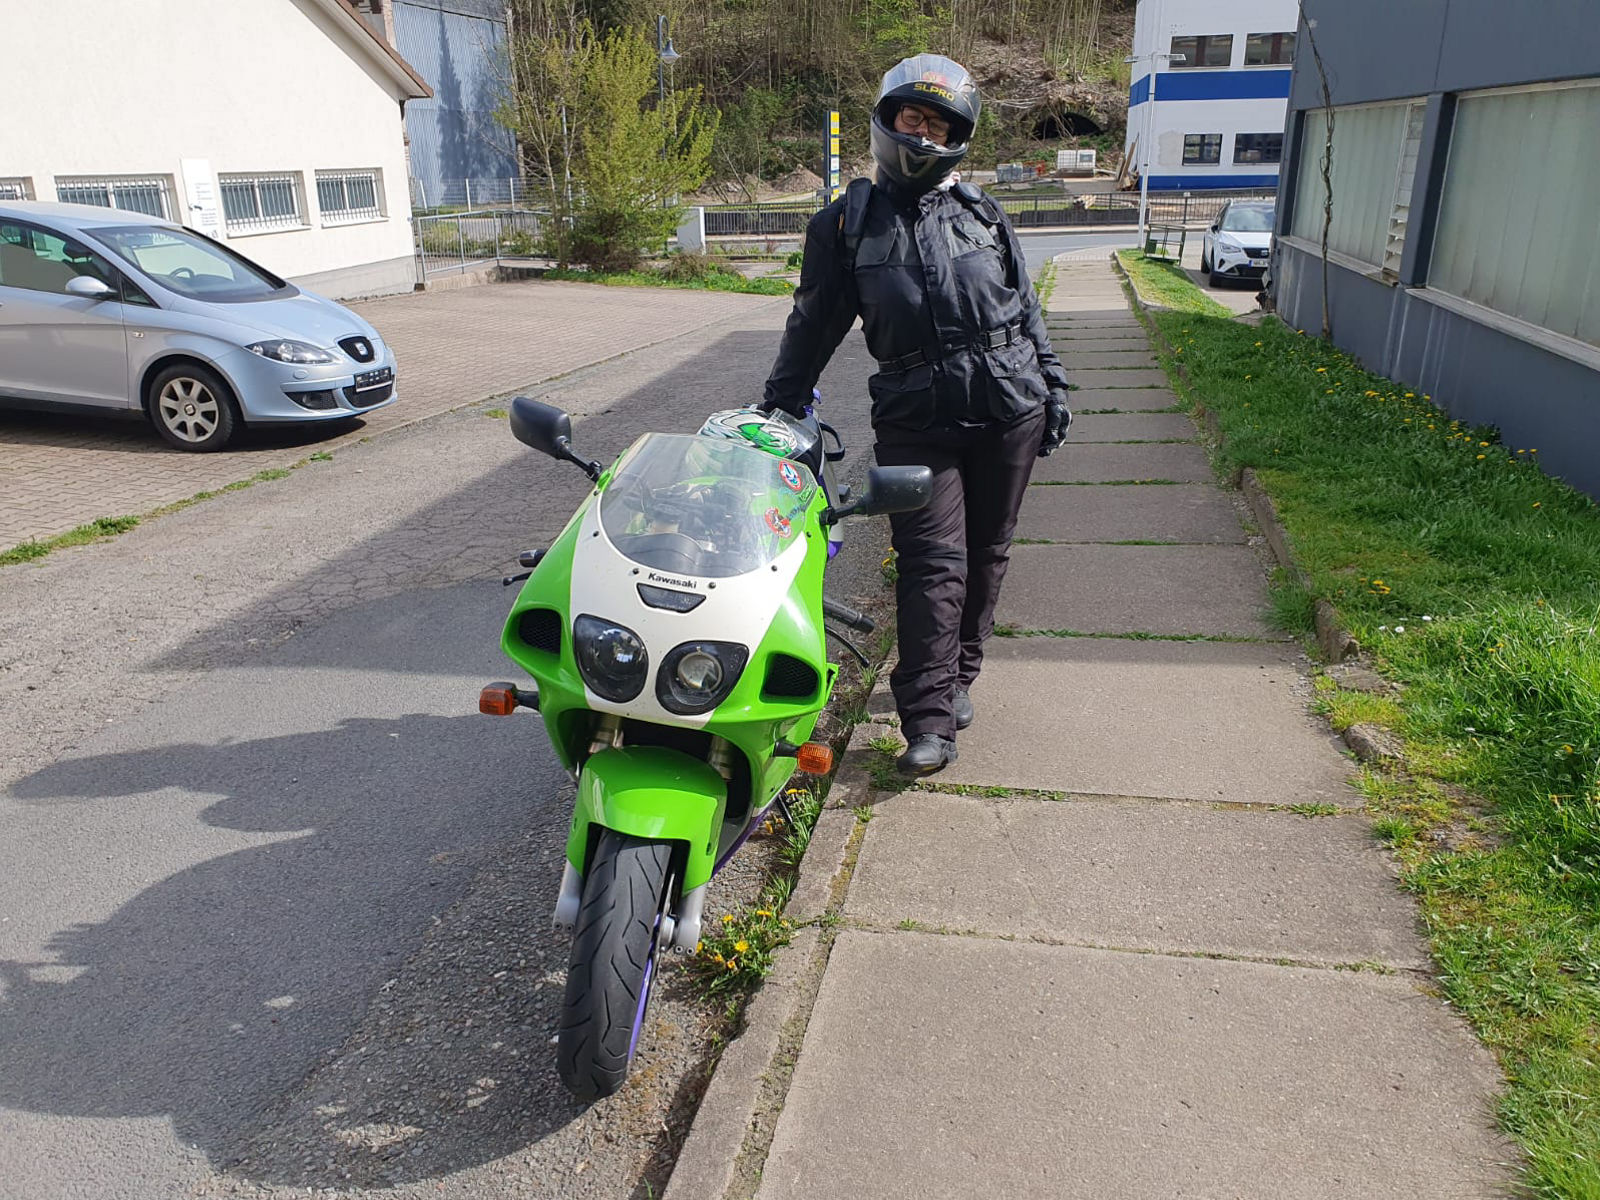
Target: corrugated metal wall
[{"x": 458, "y": 46}]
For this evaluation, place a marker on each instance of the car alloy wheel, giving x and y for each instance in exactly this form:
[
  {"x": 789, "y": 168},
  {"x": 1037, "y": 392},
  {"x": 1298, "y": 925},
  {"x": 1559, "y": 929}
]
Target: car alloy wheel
[
  {"x": 192, "y": 408},
  {"x": 189, "y": 409}
]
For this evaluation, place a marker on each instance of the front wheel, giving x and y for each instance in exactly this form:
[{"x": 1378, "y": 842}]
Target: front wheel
[
  {"x": 192, "y": 407},
  {"x": 626, "y": 893}
]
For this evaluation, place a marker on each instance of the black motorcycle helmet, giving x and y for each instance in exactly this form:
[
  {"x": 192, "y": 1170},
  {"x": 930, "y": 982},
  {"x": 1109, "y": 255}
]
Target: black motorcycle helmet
[{"x": 936, "y": 82}]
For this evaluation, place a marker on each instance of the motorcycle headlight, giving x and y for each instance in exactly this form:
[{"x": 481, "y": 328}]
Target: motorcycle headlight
[
  {"x": 287, "y": 350},
  {"x": 611, "y": 658},
  {"x": 697, "y": 676}
]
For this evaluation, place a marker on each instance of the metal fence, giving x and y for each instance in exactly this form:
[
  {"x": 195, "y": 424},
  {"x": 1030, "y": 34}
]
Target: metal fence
[
  {"x": 449, "y": 243},
  {"x": 1032, "y": 211},
  {"x": 470, "y": 193}
]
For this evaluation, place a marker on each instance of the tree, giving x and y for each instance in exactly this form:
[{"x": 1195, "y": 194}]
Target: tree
[{"x": 611, "y": 166}]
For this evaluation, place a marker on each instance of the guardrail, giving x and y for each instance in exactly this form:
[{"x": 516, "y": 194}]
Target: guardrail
[
  {"x": 449, "y": 243},
  {"x": 1031, "y": 211}
]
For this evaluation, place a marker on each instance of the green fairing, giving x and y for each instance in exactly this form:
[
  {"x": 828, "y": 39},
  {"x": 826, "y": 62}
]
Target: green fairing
[{"x": 652, "y": 793}]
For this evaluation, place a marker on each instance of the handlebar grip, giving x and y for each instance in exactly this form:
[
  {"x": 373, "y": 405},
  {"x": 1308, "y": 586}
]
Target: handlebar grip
[{"x": 845, "y": 615}]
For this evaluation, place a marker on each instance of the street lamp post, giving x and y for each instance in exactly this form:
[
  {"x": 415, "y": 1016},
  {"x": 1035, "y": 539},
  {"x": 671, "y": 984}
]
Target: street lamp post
[
  {"x": 1152, "y": 58},
  {"x": 665, "y": 57}
]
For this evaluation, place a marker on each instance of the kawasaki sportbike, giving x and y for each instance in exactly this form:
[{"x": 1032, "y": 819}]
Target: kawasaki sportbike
[{"x": 675, "y": 632}]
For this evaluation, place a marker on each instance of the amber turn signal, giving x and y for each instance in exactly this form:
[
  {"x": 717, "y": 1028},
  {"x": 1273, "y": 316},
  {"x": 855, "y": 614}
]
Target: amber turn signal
[
  {"x": 498, "y": 700},
  {"x": 814, "y": 758}
]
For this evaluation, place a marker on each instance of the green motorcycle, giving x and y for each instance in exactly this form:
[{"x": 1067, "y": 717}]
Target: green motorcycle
[{"x": 675, "y": 631}]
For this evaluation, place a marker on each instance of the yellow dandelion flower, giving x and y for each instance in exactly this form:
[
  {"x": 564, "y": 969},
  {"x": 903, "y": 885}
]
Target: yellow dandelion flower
[
  {"x": 733, "y": 965},
  {"x": 727, "y": 918},
  {"x": 1536, "y": 504},
  {"x": 763, "y": 912},
  {"x": 1322, "y": 370},
  {"x": 699, "y": 946},
  {"x": 1480, "y": 457},
  {"x": 1483, "y": 443},
  {"x": 740, "y": 947},
  {"x": 1258, "y": 343}
]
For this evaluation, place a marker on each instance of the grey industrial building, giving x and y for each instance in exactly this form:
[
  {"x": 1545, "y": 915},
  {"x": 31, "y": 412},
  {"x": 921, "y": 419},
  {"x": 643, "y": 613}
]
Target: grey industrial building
[{"x": 1465, "y": 240}]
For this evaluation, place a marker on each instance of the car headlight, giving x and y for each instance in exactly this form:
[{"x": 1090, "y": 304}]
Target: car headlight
[
  {"x": 287, "y": 350},
  {"x": 611, "y": 658},
  {"x": 697, "y": 676},
  {"x": 1224, "y": 242}
]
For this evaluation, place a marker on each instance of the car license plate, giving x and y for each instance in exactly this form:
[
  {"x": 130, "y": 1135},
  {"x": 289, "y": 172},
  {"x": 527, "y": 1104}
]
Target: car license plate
[{"x": 368, "y": 380}]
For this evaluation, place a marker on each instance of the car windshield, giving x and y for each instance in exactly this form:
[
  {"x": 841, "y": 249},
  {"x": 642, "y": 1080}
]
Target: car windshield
[
  {"x": 1247, "y": 220},
  {"x": 701, "y": 506},
  {"x": 189, "y": 264}
]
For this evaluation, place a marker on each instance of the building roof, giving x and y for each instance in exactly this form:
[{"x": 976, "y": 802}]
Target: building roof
[{"x": 388, "y": 60}]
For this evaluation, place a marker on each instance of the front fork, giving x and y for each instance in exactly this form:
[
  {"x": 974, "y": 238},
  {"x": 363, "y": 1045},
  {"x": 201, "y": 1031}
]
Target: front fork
[{"x": 680, "y": 929}]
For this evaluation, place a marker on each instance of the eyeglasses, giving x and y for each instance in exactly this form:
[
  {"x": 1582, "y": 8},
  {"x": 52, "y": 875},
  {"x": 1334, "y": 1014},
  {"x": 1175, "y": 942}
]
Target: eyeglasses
[{"x": 912, "y": 116}]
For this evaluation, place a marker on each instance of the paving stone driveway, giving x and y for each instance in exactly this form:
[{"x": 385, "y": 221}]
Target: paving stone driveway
[{"x": 454, "y": 347}]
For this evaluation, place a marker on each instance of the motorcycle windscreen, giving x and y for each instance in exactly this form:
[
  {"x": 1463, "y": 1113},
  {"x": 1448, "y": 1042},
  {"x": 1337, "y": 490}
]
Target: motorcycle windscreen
[{"x": 704, "y": 506}]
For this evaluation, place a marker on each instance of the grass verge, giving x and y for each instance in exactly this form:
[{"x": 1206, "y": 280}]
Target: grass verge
[
  {"x": 1473, "y": 581},
  {"x": 1165, "y": 284},
  {"x": 715, "y": 280}
]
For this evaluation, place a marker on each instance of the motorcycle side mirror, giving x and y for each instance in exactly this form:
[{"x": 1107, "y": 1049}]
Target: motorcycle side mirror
[
  {"x": 548, "y": 430},
  {"x": 889, "y": 490}
]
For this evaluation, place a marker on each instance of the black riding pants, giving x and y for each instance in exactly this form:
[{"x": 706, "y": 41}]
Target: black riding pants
[{"x": 952, "y": 556}]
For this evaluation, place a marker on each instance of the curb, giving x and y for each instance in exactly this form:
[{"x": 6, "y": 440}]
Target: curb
[{"x": 753, "y": 1074}]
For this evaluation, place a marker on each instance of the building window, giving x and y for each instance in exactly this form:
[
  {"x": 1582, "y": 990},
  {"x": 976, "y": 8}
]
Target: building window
[
  {"x": 1202, "y": 148},
  {"x": 262, "y": 203},
  {"x": 1529, "y": 250},
  {"x": 1257, "y": 147},
  {"x": 1369, "y": 148},
  {"x": 15, "y": 189},
  {"x": 145, "y": 194},
  {"x": 1269, "y": 50},
  {"x": 348, "y": 196},
  {"x": 1202, "y": 50}
]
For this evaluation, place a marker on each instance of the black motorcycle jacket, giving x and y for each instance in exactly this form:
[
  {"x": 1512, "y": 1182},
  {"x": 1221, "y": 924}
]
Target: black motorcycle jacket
[{"x": 946, "y": 306}]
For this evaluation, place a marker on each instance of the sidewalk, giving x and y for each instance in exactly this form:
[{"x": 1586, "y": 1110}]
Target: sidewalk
[
  {"x": 454, "y": 347},
  {"x": 1103, "y": 955}
]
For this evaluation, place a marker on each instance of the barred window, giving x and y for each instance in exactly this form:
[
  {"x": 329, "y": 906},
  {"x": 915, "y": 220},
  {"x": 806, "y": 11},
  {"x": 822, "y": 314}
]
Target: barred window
[
  {"x": 149, "y": 194},
  {"x": 1257, "y": 147},
  {"x": 15, "y": 188},
  {"x": 348, "y": 196},
  {"x": 262, "y": 203}
]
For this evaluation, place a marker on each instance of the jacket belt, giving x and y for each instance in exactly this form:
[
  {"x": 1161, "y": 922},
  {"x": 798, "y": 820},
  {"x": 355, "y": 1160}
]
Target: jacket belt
[{"x": 989, "y": 339}]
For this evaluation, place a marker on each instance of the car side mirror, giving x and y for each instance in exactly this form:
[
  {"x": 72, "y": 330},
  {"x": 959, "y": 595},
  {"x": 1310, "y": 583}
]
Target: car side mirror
[
  {"x": 90, "y": 288},
  {"x": 889, "y": 490},
  {"x": 548, "y": 430}
]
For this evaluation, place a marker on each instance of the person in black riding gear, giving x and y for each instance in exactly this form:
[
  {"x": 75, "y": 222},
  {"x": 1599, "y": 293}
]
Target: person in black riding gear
[{"x": 967, "y": 383}]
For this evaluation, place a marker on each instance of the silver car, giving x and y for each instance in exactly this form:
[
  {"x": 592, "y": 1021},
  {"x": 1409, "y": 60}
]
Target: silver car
[{"x": 120, "y": 310}]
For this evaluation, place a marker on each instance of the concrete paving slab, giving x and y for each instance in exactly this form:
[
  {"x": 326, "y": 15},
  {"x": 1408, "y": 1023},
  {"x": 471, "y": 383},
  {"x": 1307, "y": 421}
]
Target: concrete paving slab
[
  {"x": 1102, "y": 360},
  {"x": 1093, "y": 462},
  {"x": 937, "y": 1068},
  {"x": 1132, "y": 427},
  {"x": 1176, "y": 590},
  {"x": 1088, "y": 343},
  {"x": 1123, "y": 399},
  {"x": 1182, "y": 512},
  {"x": 1100, "y": 332},
  {"x": 1171, "y": 720},
  {"x": 1146, "y": 876},
  {"x": 1097, "y": 323},
  {"x": 1145, "y": 377}
]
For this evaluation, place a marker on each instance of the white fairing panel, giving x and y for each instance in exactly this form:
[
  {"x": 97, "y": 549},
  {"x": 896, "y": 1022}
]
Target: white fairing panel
[{"x": 735, "y": 609}]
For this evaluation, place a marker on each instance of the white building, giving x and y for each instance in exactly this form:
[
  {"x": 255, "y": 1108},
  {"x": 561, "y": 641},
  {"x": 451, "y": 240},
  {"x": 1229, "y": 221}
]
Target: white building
[
  {"x": 1216, "y": 117},
  {"x": 273, "y": 125}
]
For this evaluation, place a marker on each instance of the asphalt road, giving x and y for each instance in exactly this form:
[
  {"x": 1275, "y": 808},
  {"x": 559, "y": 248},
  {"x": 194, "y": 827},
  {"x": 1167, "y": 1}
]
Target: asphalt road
[
  {"x": 246, "y": 791},
  {"x": 1040, "y": 248}
]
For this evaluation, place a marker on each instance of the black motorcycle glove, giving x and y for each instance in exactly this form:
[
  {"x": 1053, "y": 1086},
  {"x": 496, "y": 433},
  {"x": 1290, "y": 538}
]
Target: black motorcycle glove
[
  {"x": 771, "y": 406},
  {"x": 1057, "y": 420}
]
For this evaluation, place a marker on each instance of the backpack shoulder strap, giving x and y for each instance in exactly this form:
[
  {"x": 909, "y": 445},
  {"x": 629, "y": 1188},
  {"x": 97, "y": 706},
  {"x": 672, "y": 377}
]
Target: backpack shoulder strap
[
  {"x": 980, "y": 202},
  {"x": 854, "y": 218}
]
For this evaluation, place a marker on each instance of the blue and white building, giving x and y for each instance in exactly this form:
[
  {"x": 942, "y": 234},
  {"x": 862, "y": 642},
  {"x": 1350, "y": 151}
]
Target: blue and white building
[{"x": 1216, "y": 118}]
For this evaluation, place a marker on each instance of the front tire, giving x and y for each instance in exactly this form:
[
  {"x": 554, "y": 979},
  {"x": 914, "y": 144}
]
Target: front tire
[
  {"x": 192, "y": 408},
  {"x": 615, "y": 945}
]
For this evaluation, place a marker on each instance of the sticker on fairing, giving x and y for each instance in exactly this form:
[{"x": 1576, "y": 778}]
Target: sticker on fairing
[
  {"x": 790, "y": 474},
  {"x": 778, "y": 523}
]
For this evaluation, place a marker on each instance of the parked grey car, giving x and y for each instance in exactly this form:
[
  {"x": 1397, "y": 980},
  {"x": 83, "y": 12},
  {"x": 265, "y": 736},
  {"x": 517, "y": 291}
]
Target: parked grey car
[
  {"x": 120, "y": 310},
  {"x": 1239, "y": 242}
]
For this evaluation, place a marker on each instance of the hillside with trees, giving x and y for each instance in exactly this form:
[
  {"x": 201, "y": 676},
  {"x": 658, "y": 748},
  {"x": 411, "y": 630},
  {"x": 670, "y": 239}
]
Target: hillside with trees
[{"x": 614, "y": 140}]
